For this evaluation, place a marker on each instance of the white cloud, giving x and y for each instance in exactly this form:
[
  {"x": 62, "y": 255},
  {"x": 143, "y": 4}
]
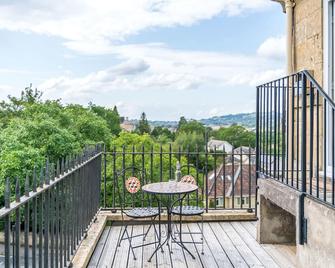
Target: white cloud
[
  {"x": 273, "y": 48},
  {"x": 158, "y": 67},
  {"x": 101, "y": 23},
  {"x": 97, "y": 27}
]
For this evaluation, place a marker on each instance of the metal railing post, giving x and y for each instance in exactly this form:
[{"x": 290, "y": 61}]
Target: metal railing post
[
  {"x": 302, "y": 237},
  {"x": 257, "y": 148}
]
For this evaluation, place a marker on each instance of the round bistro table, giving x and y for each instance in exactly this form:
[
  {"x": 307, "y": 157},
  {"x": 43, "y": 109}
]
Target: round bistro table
[{"x": 169, "y": 189}]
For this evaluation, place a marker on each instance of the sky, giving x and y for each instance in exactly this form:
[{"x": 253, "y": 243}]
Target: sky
[{"x": 168, "y": 58}]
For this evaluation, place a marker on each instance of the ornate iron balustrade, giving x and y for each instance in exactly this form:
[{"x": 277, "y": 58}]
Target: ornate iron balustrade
[
  {"x": 296, "y": 134},
  {"x": 227, "y": 181},
  {"x": 53, "y": 214},
  {"x": 44, "y": 227}
]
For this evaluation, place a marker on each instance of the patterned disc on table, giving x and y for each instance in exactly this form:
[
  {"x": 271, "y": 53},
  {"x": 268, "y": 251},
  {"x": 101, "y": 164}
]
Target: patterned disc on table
[
  {"x": 133, "y": 185},
  {"x": 188, "y": 179}
]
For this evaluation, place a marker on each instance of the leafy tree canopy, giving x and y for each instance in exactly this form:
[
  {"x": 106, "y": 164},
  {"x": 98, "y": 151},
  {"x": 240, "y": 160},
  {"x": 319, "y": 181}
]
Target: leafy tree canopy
[
  {"x": 191, "y": 126},
  {"x": 110, "y": 115},
  {"x": 143, "y": 125},
  {"x": 33, "y": 129},
  {"x": 163, "y": 135},
  {"x": 236, "y": 135}
]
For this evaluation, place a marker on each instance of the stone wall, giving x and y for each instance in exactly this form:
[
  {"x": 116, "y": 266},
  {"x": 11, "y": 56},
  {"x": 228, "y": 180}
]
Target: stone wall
[
  {"x": 308, "y": 55},
  {"x": 320, "y": 247},
  {"x": 308, "y": 37},
  {"x": 279, "y": 223}
]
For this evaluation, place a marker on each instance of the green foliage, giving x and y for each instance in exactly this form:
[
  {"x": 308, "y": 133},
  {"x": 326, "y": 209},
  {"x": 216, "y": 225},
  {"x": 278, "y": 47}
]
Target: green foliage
[
  {"x": 111, "y": 116},
  {"x": 88, "y": 127},
  {"x": 33, "y": 129},
  {"x": 191, "y": 141},
  {"x": 236, "y": 135},
  {"x": 182, "y": 121},
  {"x": 190, "y": 126},
  {"x": 143, "y": 125},
  {"x": 163, "y": 135}
]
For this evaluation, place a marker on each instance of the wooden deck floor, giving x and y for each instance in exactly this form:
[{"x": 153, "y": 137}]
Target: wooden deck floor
[{"x": 227, "y": 244}]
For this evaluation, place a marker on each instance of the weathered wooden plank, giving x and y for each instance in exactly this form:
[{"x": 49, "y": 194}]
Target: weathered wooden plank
[
  {"x": 248, "y": 256},
  {"x": 122, "y": 252},
  {"x": 286, "y": 250},
  {"x": 221, "y": 251},
  {"x": 98, "y": 251},
  {"x": 250, "y": 228},
  {"x": 278, "y": 256},
  {"x": 148, "y": 250},
  {"x": 191, "y": 263},
  {"x": 226, "y": 245},
  {"x": 110, "y": 252},
  {"x": 178, "y": 257},
  {"x": 207, "y": 259},
  {"x": 256, "y": 248},
  {"x": 137, "y": 230},
  {"x": 163, "y": 258},
  {"x": 274, "y": 252}
]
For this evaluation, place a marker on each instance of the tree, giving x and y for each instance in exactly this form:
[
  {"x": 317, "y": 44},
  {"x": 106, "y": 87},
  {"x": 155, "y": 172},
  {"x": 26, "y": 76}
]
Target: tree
[
  {"x": 162, "y": 135},
  {"x": 143, "y": 125},
  {"x": 28, "y": 95},
  {"x": 182, "y": 121},
  {"x": 33, "y": 129},
  {"x": 236, "y": 136},
  {"x": 110, "y": 115}
]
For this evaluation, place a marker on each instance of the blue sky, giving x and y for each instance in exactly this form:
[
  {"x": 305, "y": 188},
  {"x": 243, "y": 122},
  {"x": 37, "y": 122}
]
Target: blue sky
[{"x": 167, "y": 58}]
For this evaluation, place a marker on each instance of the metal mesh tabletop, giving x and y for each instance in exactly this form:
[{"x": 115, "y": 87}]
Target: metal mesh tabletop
[{"x": 170, "y": 187}]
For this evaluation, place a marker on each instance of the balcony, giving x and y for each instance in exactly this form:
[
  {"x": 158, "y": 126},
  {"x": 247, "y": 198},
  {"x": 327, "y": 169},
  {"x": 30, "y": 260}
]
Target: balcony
[
  {"x": 70, "y": 214},
  {"x": 280, "y": 194}
]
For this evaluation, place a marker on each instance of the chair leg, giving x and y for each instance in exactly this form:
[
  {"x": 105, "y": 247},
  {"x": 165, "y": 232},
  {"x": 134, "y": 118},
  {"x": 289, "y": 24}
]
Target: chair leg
[
  {"x": 130, "y": 245},
  {"x": 121, "y": 237},
  {"x": 146, "y": 233}
]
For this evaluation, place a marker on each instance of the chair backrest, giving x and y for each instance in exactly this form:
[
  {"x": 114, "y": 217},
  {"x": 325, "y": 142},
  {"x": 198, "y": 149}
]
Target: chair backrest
[
  {"x": 185, "y": 173},
  {"x": 129, "y": 187},
  {"x": 188, "y": 179}
]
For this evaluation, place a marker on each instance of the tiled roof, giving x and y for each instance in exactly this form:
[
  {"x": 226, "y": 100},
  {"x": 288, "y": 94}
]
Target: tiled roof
[{"x": 246, "y": 175}]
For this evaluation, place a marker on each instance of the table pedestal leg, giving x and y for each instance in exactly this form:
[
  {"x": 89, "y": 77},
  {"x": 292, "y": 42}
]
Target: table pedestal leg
[{"x": 169, "y": 234}]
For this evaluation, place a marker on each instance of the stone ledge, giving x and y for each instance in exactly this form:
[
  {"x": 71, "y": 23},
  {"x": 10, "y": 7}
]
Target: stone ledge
[
  {"x": 227, "y": 215},
  {"x": 280, "y": 194},
  {"x": 87, "y": 246}
]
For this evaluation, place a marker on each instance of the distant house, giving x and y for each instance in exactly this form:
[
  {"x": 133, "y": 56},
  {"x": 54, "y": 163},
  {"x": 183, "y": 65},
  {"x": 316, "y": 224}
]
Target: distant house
[
  {"x": 247, "y": 154},
  {"x": 233, "y": 186},
  {"x": 127, "y": 125},
  {"x": 219, "y": 145}
]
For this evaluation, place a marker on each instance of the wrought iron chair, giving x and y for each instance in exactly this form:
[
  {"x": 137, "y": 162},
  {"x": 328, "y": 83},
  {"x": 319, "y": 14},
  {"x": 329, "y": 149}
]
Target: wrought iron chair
[
  {"x": 135, "y": 205},
  {"x": 189, "y": 209}
]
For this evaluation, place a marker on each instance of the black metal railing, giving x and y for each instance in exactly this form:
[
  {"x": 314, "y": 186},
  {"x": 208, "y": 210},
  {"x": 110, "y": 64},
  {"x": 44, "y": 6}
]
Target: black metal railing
[
  {"x": 225, "y": 180},
  {"x": 295, "y": 135},
  {"x": 44, "y": 227}
]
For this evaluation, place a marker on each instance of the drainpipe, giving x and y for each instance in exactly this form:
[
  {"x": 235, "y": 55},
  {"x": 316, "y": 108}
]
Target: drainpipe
[{"x": 289, "y": 4}]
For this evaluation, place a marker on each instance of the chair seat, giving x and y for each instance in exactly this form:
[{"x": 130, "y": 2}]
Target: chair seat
[
  {"x": 188, "y": 210},
  {"x": 142, "y": 212}
]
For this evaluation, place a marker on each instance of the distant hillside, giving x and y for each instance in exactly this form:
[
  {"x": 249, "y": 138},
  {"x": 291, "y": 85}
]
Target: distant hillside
[{"x": 247, "y": 120}]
